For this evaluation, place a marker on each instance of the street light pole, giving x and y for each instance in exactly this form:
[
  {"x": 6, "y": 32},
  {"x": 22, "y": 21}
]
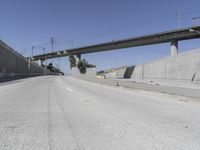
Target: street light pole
[
  {"x": 32, "y": 48},
  {"x": 30, "y": 59},
  {"x": 45, "y": 67},
  {"x": 52, "y": 41}
]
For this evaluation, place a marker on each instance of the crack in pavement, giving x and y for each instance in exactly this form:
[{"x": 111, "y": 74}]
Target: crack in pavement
[
  {"x": 49, "y": 116},
  {"x": 70, "y": 126}
]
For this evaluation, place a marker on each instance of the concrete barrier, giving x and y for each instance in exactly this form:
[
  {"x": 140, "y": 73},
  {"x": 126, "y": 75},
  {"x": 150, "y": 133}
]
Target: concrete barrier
[
  {"x": 182, "y": 91},
  {"x": 13, "y": 65}
]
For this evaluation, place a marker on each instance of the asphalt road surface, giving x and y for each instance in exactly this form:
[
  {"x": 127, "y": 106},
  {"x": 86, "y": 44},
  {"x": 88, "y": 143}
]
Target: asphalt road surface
[{"x": 63, "y": 113}]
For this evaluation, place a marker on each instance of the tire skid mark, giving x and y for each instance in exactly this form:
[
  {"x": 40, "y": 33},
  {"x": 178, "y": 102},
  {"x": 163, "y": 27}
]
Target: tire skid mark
[{"x": 69, "y": 125}]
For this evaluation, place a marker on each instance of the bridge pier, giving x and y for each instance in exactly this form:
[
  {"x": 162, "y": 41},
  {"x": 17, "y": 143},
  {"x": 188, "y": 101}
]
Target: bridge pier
[
  {"x": 81, "y": 64},
  {"x": 74, "y": 59},
  {"x": 174, "y": 48}
]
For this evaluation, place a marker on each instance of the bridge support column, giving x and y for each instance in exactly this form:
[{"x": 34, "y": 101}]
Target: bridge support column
[
  {"x": 174, "y": 48},
  {"x": 74, "y": 59}
]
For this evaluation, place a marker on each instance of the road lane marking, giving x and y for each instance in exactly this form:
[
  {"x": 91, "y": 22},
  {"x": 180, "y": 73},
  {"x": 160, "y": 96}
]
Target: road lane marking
[{"x": 69, "y": 89}]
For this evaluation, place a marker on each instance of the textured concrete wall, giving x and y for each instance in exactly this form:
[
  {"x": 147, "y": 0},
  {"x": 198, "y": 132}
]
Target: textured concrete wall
[
  {"x": 119, "y": 74},
  {"x": 91, "y": 72},
  {"x": 183, "y": 68},
  {"x": 13, "y": 64},
  {"x": 111, "y": 75}
]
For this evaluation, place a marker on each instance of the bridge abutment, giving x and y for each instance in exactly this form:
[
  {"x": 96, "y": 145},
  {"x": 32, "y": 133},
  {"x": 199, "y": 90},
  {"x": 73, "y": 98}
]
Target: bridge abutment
[{"x": 174, "y": 48}]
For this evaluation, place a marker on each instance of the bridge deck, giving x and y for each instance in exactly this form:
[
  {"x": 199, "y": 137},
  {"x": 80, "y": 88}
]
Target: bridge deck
[{"x": 164, "y": 37}]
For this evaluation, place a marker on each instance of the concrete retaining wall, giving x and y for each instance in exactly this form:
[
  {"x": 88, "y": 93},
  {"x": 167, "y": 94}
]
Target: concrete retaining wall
[
  {"x": 125, "y": 72},
  {"x": 13, "y": 64},
  {"x": 183, "y": 68},
  {"x": 91, "y": 72},
  {"x": 120, "y": 74}
]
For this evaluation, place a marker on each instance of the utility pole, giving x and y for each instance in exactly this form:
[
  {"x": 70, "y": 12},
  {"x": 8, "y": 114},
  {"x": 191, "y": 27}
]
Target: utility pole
[
  {"x": 72, "y": 43},
  {"x": 178, "y": 19},
  {"x": 112, "y": 33},
  {"x": 45, "y": 66},
  {"x": 52, "y": 41}
]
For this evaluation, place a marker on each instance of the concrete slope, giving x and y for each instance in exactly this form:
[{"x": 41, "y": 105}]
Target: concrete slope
[{"x": 66, "y": 113}]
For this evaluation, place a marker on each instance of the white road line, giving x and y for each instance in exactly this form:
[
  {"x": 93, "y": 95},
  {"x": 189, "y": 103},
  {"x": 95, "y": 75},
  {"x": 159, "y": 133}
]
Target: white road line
[{"x": 69, "y": 89}]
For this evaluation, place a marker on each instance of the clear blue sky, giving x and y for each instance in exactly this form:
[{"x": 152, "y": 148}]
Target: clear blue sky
[{"x": 76, "y": 23}]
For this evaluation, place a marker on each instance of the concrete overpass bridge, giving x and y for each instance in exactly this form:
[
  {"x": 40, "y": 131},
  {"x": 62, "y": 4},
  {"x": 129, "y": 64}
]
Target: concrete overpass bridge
[{"x": 173, "y": 37}]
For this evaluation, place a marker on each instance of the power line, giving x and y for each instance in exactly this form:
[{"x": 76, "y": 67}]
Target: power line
[
  {"x": 170, "y": 17},
  {"x": 178, "y": 19}
]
